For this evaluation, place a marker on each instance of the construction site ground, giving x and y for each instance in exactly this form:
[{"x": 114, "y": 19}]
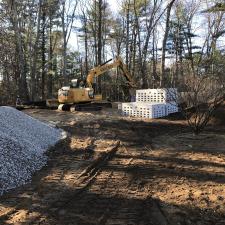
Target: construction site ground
[{"x": 113, "y": 170}]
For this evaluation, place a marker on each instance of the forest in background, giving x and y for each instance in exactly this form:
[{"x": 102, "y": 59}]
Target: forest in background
[{"x": 158, "y": 40}]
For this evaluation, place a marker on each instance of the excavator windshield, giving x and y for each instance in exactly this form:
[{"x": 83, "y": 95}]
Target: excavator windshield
[{"x": 77, "y": 83}]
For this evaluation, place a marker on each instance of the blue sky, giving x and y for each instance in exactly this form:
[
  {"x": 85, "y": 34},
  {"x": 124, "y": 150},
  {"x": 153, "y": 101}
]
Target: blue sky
[{"x": 114, "y": 5}]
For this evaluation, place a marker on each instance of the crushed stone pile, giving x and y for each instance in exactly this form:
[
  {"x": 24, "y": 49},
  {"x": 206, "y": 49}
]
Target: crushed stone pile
[{"x": 23, "y": 141}]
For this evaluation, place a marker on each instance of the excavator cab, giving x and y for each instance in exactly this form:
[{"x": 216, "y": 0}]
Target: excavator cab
[{"x": 77, "y": 83}]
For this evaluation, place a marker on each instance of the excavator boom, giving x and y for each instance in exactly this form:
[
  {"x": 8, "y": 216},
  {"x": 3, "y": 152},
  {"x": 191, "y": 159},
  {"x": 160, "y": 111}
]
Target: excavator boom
[{"x": 97, "y": 71}]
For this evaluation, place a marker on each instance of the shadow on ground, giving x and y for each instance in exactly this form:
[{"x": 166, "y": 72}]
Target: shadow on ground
[{"x": 115, "y": 195}]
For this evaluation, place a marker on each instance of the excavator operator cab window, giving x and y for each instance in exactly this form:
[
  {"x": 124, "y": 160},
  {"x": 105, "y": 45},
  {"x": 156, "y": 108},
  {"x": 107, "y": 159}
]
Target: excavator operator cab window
[
  {"x": 77, "y": 83},
  {"x": 74, "y": 83}
]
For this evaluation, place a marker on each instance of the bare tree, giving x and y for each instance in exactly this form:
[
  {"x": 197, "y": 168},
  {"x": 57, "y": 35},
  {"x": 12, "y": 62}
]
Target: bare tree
[
  {"x": 35, "y": 54},
  {"x": 203, "y": 94},
  {"x": 68, "y": 10},
  {"x": 168, "y": 12},
  {"x": 13, "y": 12}
]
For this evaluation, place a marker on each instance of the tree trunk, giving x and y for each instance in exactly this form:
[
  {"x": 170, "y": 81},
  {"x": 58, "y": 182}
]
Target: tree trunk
[
  {"x": 168, "y": 12},
  {"x": 64, "y": 40},
  {"x": 99, "y": 40},
  {"x": 50, "y": 59},
  {"x": 134, "y": 50},
  {"x": 154, "y": 60},
  {"x": 127, "y": 31},
  {"x": 43, "y": 50},
  {"x": 23, "y": 89},
  {"x": 86, "y": 44}
]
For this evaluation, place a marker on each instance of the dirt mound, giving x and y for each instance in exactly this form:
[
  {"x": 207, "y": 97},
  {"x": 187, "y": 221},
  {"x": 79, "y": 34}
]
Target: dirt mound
[{"x": 23, "y": 141}]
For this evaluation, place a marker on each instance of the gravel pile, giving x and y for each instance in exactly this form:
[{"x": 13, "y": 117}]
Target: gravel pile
[{"x": 23, "y": 141}]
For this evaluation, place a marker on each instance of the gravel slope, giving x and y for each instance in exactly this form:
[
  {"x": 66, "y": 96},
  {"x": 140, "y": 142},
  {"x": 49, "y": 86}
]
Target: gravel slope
[{"x": 23, "y": 141}]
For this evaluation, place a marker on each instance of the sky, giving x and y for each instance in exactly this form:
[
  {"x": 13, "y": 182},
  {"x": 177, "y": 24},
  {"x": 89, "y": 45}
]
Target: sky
[{"x": 114, "y": 5}]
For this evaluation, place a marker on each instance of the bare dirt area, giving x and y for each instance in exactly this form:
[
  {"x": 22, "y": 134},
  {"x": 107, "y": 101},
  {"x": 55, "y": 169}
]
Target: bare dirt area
[{"x": 123, "y": 171}]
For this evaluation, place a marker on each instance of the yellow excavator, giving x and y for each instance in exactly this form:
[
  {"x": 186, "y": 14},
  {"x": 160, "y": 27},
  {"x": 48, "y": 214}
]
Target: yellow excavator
[{"x": 80, "y": 95}]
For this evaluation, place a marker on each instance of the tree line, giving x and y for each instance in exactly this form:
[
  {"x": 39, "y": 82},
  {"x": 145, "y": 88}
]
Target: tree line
[{"x": 158, "y": 39}]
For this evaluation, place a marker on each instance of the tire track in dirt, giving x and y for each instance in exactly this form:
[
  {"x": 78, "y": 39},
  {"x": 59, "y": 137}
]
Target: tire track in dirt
[
  {"x": 52, "y": 191},
  {"x": 105, "y": 202}
]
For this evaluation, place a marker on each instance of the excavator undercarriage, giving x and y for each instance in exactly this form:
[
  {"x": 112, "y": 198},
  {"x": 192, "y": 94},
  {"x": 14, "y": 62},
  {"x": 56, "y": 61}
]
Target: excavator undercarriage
[{"x": 88, "y": 106}]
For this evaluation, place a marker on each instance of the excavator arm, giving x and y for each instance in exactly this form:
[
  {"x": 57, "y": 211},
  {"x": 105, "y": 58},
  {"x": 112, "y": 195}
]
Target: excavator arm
[{"x": 97, "y": 71}]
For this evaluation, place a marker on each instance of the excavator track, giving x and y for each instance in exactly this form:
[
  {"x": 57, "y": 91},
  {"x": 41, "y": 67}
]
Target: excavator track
[
  {"x": 85, "y": 107},
  {"x": 64, "y": 107},
  {"x": 91, "y": 106}
]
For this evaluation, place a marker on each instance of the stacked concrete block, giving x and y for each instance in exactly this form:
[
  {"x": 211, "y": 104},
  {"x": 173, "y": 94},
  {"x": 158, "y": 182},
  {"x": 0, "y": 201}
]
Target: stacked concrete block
[
  {"x": 143, "y": 110},
  {"x": 171, "y": 107},
  {"x": 152, "y": 103},
  {"x": 156, "y": 95}
]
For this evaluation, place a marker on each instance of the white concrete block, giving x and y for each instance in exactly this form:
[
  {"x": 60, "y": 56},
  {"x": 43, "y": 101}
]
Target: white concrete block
[
  {"x": 156, "y": 95},
  {"x": 171, "y": 108},
  {"x": 144, "y": 110}
]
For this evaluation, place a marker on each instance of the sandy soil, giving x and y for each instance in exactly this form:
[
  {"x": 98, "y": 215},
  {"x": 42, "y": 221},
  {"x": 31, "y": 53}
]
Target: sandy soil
[{"x": 113, "y": 171}]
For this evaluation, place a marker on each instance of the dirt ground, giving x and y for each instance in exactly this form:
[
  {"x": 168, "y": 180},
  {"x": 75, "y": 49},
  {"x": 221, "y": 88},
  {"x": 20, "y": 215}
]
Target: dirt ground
[{"x": 122, "y": 171}]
